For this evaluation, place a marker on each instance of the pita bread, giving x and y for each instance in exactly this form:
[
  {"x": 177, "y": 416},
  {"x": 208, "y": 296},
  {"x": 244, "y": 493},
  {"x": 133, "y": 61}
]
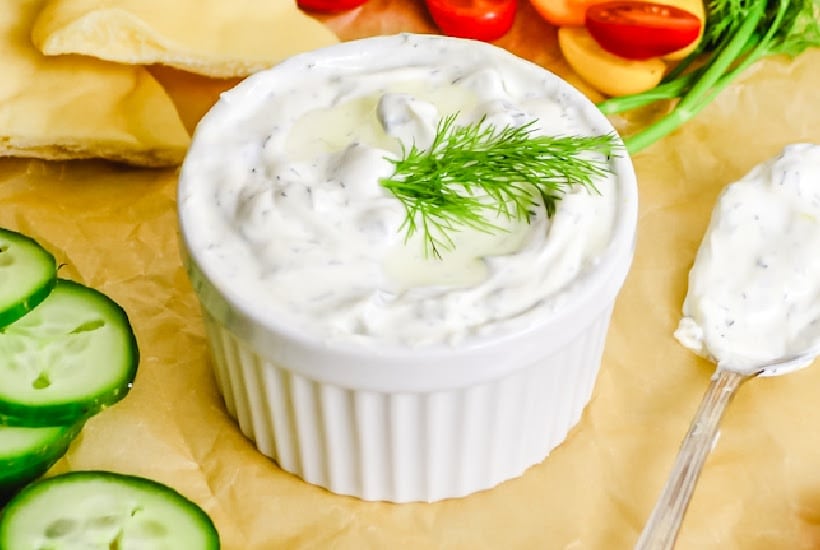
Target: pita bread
[
  {"x": 218, "y": 38},
  {"x": 75, "y": 107}
]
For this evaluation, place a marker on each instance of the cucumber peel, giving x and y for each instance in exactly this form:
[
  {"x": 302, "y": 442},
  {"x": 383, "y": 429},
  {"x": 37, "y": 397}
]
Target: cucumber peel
[
  {"x": 105, "y": 510},
  {"x": 67, "y": 359},
  {"x": 28, "y": 272},
  {"x": 27, "y": 453}
]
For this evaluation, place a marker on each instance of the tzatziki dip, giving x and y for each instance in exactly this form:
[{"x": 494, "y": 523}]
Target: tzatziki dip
[
  {"x": 754, "y": 289},
  {"x": 291, "y": 215}
]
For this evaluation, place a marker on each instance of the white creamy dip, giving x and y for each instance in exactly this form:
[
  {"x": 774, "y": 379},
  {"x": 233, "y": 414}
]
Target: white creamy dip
[
  {"x": 754, "y": 289},
  {"x": 289, "y": 211}
]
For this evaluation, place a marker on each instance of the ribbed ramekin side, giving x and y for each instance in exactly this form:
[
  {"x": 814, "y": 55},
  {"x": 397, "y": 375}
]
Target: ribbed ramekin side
[
  {"x": 404, "y": 447},
  {"x": 216, "y": 343},
  {"x": 570, "y": 384}
]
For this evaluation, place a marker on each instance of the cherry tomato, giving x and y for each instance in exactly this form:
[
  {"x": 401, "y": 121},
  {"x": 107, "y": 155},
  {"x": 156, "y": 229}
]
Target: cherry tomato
[
  {"x": 329, "y": 6},
  {"x": 486, "y": 20},
  {"x": 563, "y": 13},
  {"x": 609, "y": 74},
  {"x": 640, "y": 30}
]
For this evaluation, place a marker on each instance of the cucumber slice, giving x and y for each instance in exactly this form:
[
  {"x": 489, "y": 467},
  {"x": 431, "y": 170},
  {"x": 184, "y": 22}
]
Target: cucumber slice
[
  {"x": 68, "y": 358},
  {"x": 27, "y": 453},
  {"x": 27, "y": 274},
  {"x": 104, "y": 510}
]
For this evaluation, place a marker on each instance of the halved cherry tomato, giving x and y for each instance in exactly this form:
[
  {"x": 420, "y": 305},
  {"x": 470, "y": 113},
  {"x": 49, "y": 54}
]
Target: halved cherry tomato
[
  {"x": 693, "y": 6},
  {"x": 640, "y": 30},
  {"x": 563, "y": 13},
  {"x": 329, "y": 6},
  {"x": 486, "y": 20}
]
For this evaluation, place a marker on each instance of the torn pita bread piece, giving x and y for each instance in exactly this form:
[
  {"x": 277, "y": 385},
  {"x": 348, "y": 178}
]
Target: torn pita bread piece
[
  {"x": 217, "y": 38},
  {"x": 76, "y": 107}
]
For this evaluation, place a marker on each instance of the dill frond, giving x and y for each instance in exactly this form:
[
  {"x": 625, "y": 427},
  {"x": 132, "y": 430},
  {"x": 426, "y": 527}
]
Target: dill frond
[{"x": 473, "y": 171}]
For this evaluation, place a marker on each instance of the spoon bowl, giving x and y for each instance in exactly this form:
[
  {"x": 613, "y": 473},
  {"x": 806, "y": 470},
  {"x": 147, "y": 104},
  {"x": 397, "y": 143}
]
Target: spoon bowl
[{"x": 791, "y": 363}]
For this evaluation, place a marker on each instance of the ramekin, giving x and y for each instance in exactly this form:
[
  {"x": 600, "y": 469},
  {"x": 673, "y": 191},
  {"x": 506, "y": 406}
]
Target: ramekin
[{"x": 406, "y": 425}]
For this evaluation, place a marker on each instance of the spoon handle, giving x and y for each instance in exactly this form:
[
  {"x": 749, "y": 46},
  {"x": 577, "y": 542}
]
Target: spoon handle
[{"x": 662, "y": 528}]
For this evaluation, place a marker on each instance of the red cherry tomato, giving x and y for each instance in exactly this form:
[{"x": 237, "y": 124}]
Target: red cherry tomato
[
  {"x": 329, "y": 6},
  {"x": 486, "y": 20},
  {"x": 563, "y": 13},
  {"x": 640, "y": 30}
]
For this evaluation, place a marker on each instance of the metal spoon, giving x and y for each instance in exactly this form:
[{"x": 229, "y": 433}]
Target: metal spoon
[{"x": 661, "y": 530}]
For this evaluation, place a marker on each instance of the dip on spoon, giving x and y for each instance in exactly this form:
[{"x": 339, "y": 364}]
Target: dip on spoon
[
  {"x": 753, "y": 305},
  {"x": 754, "y": 290}
]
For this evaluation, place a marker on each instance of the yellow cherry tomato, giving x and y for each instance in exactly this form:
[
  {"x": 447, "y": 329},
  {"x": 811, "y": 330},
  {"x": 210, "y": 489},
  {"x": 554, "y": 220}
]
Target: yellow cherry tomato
[{"x": 607, "y": 73}]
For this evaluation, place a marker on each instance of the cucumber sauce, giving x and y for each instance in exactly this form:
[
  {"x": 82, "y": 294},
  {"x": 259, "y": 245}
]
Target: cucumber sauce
[
  {"x": 754, "y": 289},
  {"x": 292, "y": 214}
]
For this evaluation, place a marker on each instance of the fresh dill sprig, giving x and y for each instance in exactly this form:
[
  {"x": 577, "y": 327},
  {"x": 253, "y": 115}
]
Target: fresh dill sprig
[{"x": 470, "y": 172}]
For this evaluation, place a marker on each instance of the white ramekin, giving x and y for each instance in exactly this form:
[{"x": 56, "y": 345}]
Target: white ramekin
[{"x": 413, "y": 425}]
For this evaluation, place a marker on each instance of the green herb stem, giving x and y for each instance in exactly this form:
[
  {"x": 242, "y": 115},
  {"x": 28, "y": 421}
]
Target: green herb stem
[
  {"x": 670, "y": 90},
  {"x": 738, "y": 33},
  {"x": 691, "y": 103},
  {"x": 682, "y": 66},
  {"x": 726, "y": 56}
]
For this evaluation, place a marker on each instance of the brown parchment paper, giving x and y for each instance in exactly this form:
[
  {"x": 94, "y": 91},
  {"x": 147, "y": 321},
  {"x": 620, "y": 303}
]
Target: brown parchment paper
[{"x": 115, "y": 228}]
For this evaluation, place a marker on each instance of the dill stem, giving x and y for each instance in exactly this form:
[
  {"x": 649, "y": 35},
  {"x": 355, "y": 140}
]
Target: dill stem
[
  {"x": 726, "y": 57},
  {"x": 684, "y": 64},
  {"x": 670, "y": 90},
  {"x": 709, "y": 84}
]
